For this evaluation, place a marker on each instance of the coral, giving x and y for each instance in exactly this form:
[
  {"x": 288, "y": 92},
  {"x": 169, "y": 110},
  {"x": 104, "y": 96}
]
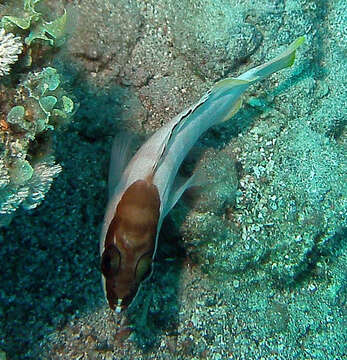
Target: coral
[
  {"x": 10, "y": 48},
  {"x": 33, "y": 104},
  {"x": 40, "y": 182},
  {"x": 27, "y": 167},
  {"x": 28, "y": 186},
  {"x": 34, "y": 29},
  {"x": 52, "y": 32}
]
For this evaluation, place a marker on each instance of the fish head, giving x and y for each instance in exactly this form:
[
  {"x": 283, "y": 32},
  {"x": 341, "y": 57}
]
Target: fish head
[
  {"x": 129, "y": 245},
  {"x": 123, "y": 271}
]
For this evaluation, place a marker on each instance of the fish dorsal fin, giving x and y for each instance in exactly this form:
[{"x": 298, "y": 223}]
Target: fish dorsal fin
[
  {"x": 229, "y": 83},
  {"x": 177, "y": 124}
]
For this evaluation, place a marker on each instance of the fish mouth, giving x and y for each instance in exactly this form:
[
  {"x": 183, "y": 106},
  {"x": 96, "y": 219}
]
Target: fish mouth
[
  {"x": 121, "y": 304},
  {"x": 119, "y": 307}
]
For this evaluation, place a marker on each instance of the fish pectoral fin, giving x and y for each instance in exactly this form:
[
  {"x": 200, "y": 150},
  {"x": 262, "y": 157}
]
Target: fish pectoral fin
[
  {"x": 120, "y": 157},
  {"x": 178, "y": 189}
]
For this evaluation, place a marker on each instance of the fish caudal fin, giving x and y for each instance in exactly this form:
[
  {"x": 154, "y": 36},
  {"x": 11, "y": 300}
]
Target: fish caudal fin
[
  {"x": 280, "y": 62},
  {"x": 235, "y": 87}
]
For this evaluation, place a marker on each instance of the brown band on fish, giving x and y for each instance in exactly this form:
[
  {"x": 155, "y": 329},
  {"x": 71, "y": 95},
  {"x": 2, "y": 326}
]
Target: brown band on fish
[{"x": 130, "y": 238}]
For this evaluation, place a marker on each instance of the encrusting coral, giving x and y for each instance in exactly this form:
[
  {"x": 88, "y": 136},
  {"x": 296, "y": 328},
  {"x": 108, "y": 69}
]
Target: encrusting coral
[{"x": 27, "y": 166}]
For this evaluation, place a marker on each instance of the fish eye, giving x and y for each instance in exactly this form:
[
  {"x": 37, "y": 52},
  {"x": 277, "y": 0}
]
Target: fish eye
[
  {"x": 110, "y": 261},
  {"x": 143, "y": 267}
]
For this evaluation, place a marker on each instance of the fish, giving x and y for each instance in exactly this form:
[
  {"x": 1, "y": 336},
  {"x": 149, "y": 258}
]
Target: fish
[{"x": 144, "y": 190}]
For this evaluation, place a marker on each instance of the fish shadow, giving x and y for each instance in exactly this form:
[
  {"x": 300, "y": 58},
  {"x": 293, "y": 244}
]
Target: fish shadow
[{"x": 49, "y": 255}]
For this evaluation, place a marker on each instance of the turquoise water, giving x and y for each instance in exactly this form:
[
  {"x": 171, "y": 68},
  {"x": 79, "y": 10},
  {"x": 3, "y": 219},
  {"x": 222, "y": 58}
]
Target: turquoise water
[{"x": 252, "y": 265}]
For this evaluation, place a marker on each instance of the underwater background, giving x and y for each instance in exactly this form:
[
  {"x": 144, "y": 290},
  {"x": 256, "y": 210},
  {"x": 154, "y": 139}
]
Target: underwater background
[{"x": 252, "y": 265}]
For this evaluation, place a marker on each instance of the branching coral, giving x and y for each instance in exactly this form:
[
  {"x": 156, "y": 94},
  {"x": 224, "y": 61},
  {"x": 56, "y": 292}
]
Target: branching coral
[{"x": 10, "y": 48}]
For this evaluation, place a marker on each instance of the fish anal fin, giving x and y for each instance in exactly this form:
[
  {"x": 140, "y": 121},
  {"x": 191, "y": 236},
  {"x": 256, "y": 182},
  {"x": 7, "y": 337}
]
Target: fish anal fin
[{"x": 233, "y": 110}]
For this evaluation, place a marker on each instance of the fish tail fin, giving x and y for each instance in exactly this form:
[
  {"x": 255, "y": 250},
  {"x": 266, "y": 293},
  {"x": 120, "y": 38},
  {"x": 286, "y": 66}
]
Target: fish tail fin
[
  {"x": 282, "y": 61},
  {"x": 237, "y": 86}
]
